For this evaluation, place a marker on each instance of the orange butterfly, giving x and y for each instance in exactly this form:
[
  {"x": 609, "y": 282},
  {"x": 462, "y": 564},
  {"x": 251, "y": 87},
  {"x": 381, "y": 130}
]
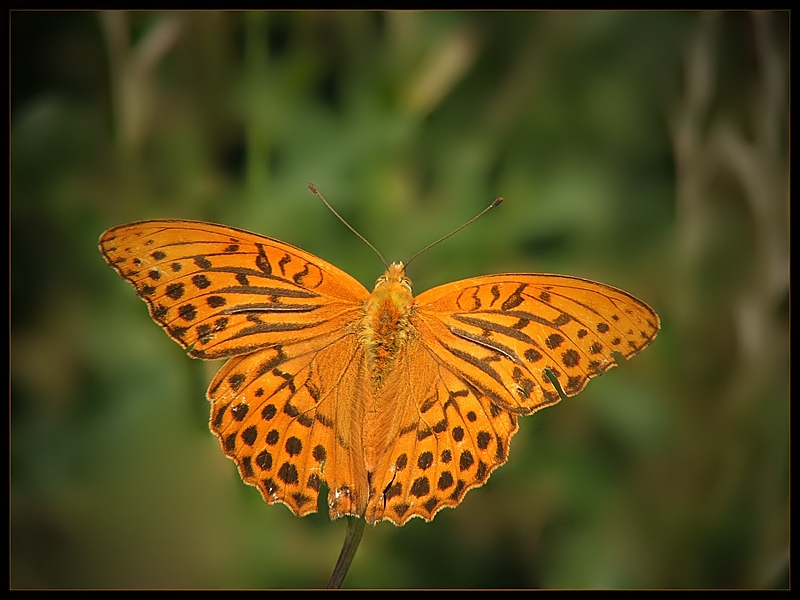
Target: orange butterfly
[{"x": 399, "y": 405}]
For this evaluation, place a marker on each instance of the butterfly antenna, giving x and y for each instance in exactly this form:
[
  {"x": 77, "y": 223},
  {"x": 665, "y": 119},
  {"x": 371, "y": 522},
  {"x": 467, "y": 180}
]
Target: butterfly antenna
[
  {"x": 496, "y": 202},
  {"x": 314, "y": 189}
]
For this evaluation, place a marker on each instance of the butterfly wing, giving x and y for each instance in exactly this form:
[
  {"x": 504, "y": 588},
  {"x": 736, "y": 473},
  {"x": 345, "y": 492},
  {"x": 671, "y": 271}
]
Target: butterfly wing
[
  {"x": 285, "y": 407},
  {"x": 480, "y": 350},
  {"x": 447, "y": 439},
  {"x": 292, "y": 419},
  {"x": 502, "y": 332},
  {"x": 220, "y": 291}
]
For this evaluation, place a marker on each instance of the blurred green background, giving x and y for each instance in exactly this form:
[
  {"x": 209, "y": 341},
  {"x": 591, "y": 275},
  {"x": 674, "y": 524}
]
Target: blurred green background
[{"x": 646, "y": 150}]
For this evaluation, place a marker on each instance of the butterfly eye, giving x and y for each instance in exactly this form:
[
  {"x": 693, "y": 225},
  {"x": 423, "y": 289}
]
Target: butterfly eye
[
  {"x": 380, "y": 280},
  {"x": 406, "y": 282}
]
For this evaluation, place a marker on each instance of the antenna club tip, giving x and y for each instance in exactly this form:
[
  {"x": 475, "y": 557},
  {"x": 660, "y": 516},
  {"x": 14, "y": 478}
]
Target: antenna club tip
[
  {"x": 312, "y": 187},
  {"x": 497, "y": 202}
]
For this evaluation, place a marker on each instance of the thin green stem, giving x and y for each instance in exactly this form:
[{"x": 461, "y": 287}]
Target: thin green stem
[{"x": 355, "y": 530}]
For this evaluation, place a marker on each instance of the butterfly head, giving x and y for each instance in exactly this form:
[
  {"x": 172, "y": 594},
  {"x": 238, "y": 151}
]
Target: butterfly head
[{"x": 395, "y": 274}]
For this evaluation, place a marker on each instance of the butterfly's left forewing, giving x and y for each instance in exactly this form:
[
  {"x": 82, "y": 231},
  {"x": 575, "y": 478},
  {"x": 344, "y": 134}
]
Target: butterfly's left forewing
[{"x": 220, "y": 291}]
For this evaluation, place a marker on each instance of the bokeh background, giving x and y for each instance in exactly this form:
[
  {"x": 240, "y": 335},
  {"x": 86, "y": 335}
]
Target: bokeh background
[{"x": 647, "y": 150}]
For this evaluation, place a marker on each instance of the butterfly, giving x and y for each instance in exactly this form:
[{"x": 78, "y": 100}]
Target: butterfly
[{"x": 397, "y": 404}]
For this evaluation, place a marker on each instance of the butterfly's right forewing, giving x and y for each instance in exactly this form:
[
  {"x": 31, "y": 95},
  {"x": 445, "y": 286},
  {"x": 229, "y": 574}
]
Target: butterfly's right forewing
[{"x": 502, "y": 334}]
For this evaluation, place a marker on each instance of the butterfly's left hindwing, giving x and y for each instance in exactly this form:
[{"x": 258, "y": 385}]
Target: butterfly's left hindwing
[{"x": 291, "y": 418}]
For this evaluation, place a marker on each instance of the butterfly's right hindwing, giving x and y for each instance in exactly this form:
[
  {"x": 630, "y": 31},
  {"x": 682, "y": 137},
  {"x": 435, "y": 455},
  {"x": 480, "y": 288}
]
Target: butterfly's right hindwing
[{"x": 448, "y": 440}]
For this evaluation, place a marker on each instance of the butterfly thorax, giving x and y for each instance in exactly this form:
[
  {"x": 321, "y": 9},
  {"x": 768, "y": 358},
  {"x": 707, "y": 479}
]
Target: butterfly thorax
[{"x": 384, "y": 328}]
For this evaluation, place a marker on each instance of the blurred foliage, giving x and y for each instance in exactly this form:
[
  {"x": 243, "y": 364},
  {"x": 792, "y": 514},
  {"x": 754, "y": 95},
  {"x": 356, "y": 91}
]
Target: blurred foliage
[{"x": 646, "y": 150}]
